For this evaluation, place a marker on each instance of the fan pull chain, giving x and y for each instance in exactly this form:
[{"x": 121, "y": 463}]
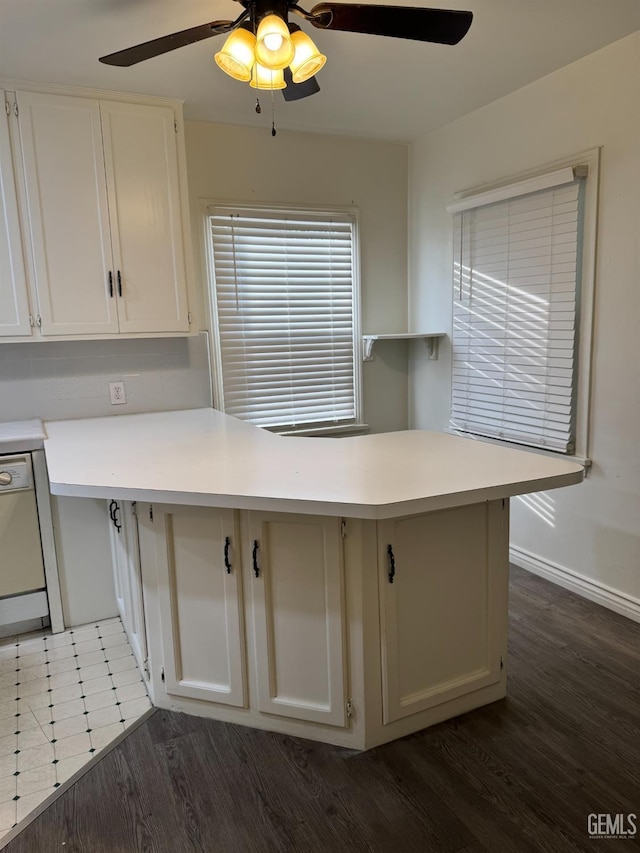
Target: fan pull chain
[
  {"x": 273, "y": 116},
  {"x": 258, "y": 107}
]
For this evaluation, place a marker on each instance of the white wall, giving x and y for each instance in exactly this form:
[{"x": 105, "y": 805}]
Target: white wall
[
  {"x": 70, "y": 379},
  {"x": 55, "y": 380},
  {"x": 595, "y": 529},
  {"x": 246, "y": 164}
]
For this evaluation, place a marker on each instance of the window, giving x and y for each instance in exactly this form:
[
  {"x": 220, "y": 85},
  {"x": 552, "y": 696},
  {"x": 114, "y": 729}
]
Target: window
[
  {"x": 518, "y": 273},
  {"x": 285, "y": 298}
]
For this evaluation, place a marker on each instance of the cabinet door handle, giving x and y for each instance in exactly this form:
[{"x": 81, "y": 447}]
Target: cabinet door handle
[
  {"x": 256, "y": 567},
  {"x": 114, "y": 509},
  {"x": 110, "y": 284},
  {"x": 119, "y": 284},
  {"x": 227, "y": 564},
  {"x": 392, "y": 564}
]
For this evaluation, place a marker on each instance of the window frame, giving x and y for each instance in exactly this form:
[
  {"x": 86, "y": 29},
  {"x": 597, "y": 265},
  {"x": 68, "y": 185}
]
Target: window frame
[
  {"x": 585, "y": 306},
  {"x": 317, "y": 429}
]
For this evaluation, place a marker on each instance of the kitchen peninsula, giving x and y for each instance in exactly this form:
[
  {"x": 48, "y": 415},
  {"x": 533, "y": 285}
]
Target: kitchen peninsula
[{"x": 350, "y": 591}]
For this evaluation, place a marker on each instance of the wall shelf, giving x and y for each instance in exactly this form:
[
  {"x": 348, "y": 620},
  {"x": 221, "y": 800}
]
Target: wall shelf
[{"x": 431, "y": 340}]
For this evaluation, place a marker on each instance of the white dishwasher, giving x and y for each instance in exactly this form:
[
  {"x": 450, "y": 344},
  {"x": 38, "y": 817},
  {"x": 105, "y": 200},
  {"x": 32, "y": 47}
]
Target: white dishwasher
[{"x": 22, "y": 575}]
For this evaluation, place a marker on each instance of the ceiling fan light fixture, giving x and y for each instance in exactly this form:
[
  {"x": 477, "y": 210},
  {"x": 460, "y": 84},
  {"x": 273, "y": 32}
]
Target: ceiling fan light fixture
[
  {"x": 274, "y": 48},
  {"x": 266, "y": 78},
  {"x": 237, "y": 55},
  {"x": 307, "y": 60}
]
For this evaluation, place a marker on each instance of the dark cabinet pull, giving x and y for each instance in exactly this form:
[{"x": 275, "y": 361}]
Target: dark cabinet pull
[
  {"x": 116, "y": 517},
  {"x": 227, "y": 564},
  {"x": 114, "y": 509},
  {"x": 119, "y": 284},
  {"x": 256, "y": 567},
  {"x": 392, "y": 564},
  {"x": 110, "y": 284}
]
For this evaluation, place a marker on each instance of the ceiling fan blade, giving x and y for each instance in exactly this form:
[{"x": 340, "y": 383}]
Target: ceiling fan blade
[
  {"x": 156, "y": 47},
  {"x": 443, "y": 26},
  {"x": 297, "y": 91}
]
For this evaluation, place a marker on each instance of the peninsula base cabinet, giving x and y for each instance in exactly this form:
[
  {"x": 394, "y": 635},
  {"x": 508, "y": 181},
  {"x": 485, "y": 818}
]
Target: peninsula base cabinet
[
  {"x": 348, "y": 631},
  {"x": 199, "y": 592},
  {"x": 298, "y": 620},
  {"x": 288, "y": 629},
  {"x": 127, "y": 577},
  {"x": 438, "y": 578}
]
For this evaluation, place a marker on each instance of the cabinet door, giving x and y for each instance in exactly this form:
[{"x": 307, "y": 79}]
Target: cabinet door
[
  {"x": 120, "y": 559},
  {"x": 442, "y": 626},
  {"x": 137, "y": 631},
  {"x": 146, "y": 226},
  {"x": 297, "y": 604},
  {"x": 200, "y": 602},
  {"x": 127, "y": 576},
  {"x": 68, "y": 216},
  {"x": 14, "y": 305}
]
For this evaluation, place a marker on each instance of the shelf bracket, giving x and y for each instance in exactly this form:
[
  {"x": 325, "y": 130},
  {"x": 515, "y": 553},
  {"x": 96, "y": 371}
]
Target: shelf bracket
[
  {"x": 432, "y": 345},
  {"x": 367, "y": 353}
]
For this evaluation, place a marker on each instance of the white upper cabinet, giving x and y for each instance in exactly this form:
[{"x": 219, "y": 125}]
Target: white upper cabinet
[
  {"x": 146, "y": 227},
  {"x": 104, "y": 215},
  {"x": 68, "y": 216},
  {"x": 14, "y": 305}
]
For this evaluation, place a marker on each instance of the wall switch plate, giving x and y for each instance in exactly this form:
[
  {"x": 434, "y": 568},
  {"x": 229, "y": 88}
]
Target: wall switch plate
[{"x": 117, "y": 394}]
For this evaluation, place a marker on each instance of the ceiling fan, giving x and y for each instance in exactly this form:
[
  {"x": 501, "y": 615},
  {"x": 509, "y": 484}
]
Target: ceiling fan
[{"x": 268, "y": 52}]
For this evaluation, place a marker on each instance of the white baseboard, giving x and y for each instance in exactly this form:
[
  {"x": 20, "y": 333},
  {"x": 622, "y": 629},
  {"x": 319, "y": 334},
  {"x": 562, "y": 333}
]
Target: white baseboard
[{"x": 624, "y": 604}]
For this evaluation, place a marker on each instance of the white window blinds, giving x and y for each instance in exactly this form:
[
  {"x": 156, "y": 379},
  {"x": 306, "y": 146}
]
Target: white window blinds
[
  {"x": 516, "y": 275},
  {"x": 284, "y": 295}
]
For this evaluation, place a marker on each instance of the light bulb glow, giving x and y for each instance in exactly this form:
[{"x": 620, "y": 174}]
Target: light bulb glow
[
  {"x": 272, "y": 30},
  {"x": 273, "y": 41},
  {"x": 307, "y": 60}
]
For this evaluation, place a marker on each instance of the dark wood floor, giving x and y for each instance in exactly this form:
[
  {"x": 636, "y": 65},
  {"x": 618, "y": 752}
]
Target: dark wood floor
[{"x": 519, "y": 775}]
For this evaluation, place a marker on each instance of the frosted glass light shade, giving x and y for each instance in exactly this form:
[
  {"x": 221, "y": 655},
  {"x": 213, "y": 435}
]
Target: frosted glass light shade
[
  {"x": 237, "y": 55},
  {"x": 307, "y": 59},
  {"x": 274, "y": 48},
  {"x": 265, "y": 78}
]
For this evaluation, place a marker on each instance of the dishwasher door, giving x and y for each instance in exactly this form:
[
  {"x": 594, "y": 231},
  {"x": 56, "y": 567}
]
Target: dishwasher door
[{"x": 21, "y": 564}]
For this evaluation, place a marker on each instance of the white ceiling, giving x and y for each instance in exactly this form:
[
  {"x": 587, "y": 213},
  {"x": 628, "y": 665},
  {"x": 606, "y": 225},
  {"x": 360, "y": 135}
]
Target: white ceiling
[{"x": 371, "y": 86}]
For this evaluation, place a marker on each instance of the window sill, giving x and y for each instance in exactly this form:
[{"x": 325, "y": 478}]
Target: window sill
[
  {"x": 328, "y": 431},
  {"x": 554, "y": 454}
]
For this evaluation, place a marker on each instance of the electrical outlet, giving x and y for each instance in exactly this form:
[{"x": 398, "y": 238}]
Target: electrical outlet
[{"x": 117, "y": 394}]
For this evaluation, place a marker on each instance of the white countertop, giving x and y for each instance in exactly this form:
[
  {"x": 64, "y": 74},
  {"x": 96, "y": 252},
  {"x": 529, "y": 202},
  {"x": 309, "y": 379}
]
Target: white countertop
[
  {"x": 21, "y": 436},
  {"x": 205, "y": 458}
]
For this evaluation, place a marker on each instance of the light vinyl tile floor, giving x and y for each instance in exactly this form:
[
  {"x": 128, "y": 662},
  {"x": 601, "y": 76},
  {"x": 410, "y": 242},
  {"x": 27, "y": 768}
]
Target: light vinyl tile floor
[{"x": 63, "y": 698}]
